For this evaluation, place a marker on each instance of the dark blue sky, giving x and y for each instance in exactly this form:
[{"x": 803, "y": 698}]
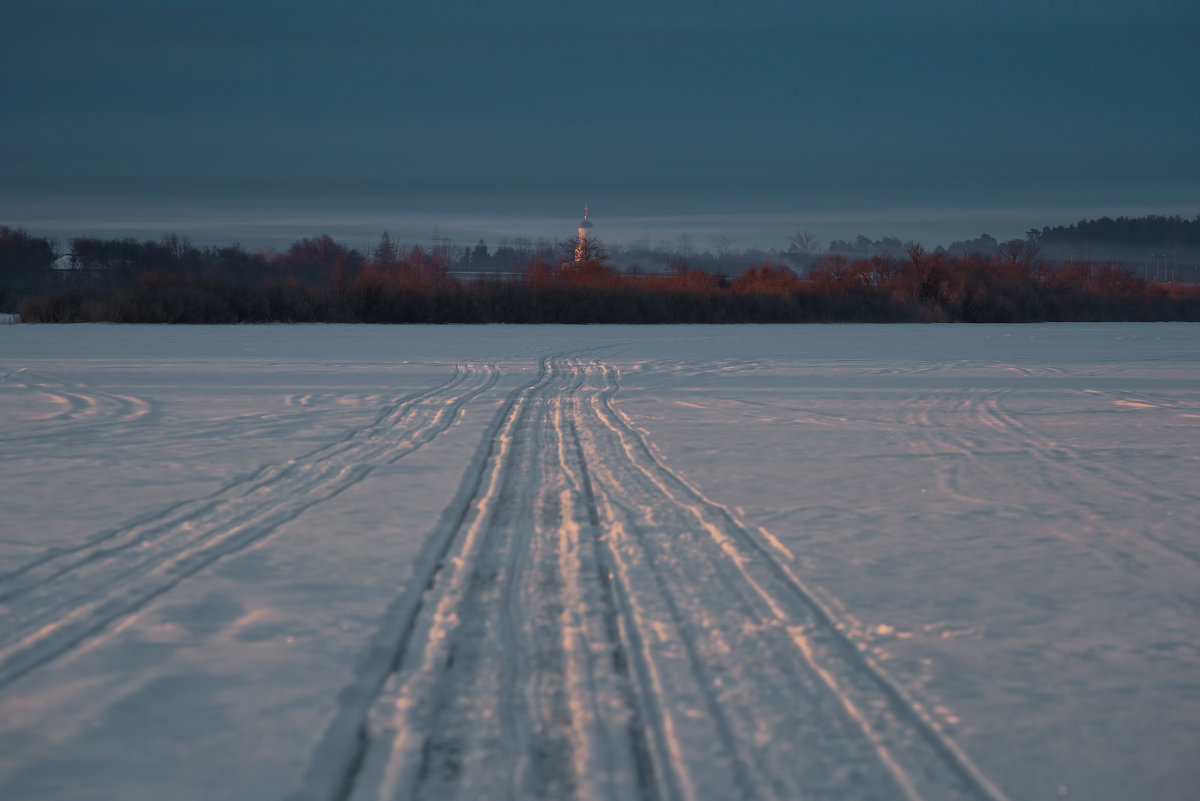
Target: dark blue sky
[{"x": 262, "y": 118}]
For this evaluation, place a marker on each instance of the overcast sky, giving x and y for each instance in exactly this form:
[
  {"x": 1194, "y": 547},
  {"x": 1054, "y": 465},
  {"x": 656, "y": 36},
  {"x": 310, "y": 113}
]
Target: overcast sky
[{"x": 884, "y": 117}]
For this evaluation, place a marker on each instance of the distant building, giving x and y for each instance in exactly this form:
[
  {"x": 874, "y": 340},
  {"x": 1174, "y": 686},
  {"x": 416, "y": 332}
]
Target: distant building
[
  {"x": 68, "y": 269},
  {"x": 585, "y": 233},
  {"x": 67, "y": 262}
]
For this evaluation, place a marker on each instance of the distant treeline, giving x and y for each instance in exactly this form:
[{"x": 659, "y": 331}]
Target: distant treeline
[
  {"x": 1150, "y": 231},
  {"x": 1160, "y": 247},
  {"x": 318, "y": 279},
  {"x": 321, "y": 281},
  {"x": 1156, "y": 247}
]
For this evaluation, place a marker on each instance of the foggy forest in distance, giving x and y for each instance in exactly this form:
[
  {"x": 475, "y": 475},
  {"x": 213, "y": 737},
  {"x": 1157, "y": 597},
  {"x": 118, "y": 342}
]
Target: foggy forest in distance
[{"x": 1143, "y": 268}]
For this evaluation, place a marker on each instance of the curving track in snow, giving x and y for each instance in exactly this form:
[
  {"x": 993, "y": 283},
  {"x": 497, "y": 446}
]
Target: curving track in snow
[
  {"x": 66, "y": 596},
  {"x": 965, "y": 430},
  {"x": 590, "y": 626},
  {"x": 75, "y": 409}
]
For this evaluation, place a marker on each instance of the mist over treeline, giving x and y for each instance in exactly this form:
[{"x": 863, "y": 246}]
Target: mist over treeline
[
  {"x": 320, "y": 280},
  {"x": 1159, "y": 247}
]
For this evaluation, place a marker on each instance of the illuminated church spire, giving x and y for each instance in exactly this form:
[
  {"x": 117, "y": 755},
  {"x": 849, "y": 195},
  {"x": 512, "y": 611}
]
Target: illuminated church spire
[{"x": 585, "y": 228}]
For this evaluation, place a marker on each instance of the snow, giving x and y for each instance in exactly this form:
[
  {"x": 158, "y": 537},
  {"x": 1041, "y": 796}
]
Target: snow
[{"x": 600, "y": 562}]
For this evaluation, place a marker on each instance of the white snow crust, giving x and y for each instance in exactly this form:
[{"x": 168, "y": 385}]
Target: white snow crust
[{"x": 357, "y": 562}]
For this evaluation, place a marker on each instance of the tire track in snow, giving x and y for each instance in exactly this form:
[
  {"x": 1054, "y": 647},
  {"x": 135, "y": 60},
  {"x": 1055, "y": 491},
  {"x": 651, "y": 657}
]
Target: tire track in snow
[
  {"x": 1065, "y": 469},
  {"x": 83, "y": 410},
  {"x": 1052, "y": 451},
  {"x": 961, "y": 427},
  {"x": 949, "y": 422},
  {"x": 68, "y": 595},
  {"x": 122, "y": 421},
  {"x": 177, "y": 514},
  {"x": 863, "y": 713},
  {"x": 590, "y": 626},
  {"x": 473, "y": 682},
  {"x": 298, "y": 419},
  {"x": 969, "y": 432}
]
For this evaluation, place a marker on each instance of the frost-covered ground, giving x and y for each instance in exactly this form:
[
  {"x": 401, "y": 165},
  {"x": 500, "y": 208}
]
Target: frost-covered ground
[{"x": 840, "y": 562}]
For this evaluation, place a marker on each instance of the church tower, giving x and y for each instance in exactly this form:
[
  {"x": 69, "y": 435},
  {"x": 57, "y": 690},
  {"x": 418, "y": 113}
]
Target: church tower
[{"x": 585, "y": 233}]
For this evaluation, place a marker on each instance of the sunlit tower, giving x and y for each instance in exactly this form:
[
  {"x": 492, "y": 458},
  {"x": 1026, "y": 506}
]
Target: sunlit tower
[{"x": 585, "y": 233}]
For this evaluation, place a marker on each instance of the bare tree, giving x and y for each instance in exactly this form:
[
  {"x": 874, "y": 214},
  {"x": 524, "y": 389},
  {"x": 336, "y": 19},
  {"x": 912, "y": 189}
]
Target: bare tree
[
  {"x": 805, "y": 242},
  {"x": 1019, "y": 251},
  {"x": 723, "y": 245}
]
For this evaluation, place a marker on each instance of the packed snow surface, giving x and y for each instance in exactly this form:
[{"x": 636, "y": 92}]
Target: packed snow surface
[{"x": 842, "y": 562}]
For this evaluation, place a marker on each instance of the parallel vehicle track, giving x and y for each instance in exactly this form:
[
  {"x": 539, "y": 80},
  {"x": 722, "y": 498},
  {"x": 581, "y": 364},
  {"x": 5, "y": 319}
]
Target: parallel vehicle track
[
  {"x": 65, "y": 596},
  {"x": 589, "y": 625}
]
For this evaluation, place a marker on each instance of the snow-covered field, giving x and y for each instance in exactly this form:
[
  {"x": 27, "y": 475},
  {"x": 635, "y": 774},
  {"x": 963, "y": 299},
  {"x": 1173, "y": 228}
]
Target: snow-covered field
[{"x": 841, "y": 562}]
